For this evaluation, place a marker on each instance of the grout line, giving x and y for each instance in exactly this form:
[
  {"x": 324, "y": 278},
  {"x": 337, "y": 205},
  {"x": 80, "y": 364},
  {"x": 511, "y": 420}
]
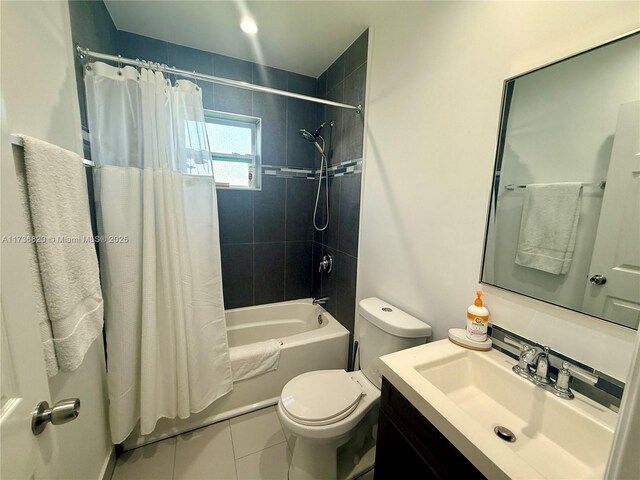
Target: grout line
[
  {"x": 286, "y": 187},
  {"x": 175, "y": 454},
  {"x": 263, "y": 449},
  {"x": 233, "y": 449}
]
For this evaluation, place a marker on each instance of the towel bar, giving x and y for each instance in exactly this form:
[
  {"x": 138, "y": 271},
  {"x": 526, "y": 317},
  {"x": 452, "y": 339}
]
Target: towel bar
[
  {"x": 17, "y": 141},
  {"x": 601, "y": 185}
]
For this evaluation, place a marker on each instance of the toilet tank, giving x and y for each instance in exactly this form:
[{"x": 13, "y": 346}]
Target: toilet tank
[{"x": 385, "y": 329}]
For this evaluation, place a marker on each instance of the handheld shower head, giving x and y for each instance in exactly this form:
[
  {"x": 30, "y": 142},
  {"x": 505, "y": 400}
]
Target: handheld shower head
[
  {"x": 307, "y": 135},
  {"x": 312, "y": 137}
]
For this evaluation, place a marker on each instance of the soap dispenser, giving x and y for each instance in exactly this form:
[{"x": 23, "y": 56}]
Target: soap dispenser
[{"x": 477, "y": 320}]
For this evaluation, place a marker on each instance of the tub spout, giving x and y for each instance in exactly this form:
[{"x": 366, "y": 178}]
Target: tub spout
[{"x": 320, "y": 300}]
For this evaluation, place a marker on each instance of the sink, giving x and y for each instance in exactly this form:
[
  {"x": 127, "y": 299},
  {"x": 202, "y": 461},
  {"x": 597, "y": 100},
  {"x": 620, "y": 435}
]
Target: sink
[{"x": 467, "y": 394}]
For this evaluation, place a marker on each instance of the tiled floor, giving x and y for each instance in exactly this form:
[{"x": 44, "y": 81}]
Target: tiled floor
[{"x": 249, "y": 447}]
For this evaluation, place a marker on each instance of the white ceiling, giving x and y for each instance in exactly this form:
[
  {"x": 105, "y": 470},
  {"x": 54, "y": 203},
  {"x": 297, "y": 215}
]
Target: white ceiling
[{"x": 299, "y": 36}]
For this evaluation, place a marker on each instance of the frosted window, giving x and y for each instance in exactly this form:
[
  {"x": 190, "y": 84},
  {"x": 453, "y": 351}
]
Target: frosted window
[
  {"x": 235, "y": 174},
  {"x": 230, "y": 139},
  {"x": 234, "y": 142}
]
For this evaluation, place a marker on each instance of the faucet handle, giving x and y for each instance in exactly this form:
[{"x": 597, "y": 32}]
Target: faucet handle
[
  {"x": 580, "y": 374},
  {"x": 564, "y": 376},
  {"x": 561, "y": 387}
]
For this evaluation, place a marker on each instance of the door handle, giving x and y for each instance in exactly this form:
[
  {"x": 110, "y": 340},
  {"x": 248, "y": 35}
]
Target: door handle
[
  {"x": 62, "y": 412},
  {"x": 598, "y": 280}
]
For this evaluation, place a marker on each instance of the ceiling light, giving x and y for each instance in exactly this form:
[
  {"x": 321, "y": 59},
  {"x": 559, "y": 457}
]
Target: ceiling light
[{"x": 249, "y": 26}]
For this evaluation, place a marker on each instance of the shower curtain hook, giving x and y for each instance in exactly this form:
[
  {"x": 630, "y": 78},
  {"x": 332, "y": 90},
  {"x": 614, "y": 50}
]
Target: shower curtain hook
[
  {"x": 119, "y": 65},
  {"x": 139, "y": 69},
  {"x": 196, "y": 81}
]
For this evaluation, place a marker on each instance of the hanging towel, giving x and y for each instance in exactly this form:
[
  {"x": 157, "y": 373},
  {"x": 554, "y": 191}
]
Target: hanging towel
[
  {"x": 248, "y": 361},
  {"x": 548, "y": 227},
  {"x": 63, "y": 257}
]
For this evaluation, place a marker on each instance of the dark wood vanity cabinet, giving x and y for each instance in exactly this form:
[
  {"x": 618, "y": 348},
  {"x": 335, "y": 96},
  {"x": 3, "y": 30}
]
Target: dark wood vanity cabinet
[{"x": 409, "y": 446}]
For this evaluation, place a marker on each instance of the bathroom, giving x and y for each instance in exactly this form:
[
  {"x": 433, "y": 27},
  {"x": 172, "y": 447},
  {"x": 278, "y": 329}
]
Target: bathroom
[{"x": 409, "y": 141}]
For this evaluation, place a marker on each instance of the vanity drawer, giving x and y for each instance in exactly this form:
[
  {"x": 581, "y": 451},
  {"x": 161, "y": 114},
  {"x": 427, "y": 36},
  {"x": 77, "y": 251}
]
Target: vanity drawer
[{"x": 409, "y": 446}]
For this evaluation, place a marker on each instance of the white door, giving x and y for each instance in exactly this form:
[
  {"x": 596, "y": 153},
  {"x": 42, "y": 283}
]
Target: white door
[
  {"x": 24, "y": 381},
  {"x": 616, "y": 253}
]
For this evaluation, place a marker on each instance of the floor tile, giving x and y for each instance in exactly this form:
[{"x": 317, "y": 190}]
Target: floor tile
[
  {"x": 291, "y": 439},
  {"x": 153, "y": 462},
  {"x": 205, "y": 454},
  {"x": 256, "y": 431},
  {"x": 269, "y": 464}
]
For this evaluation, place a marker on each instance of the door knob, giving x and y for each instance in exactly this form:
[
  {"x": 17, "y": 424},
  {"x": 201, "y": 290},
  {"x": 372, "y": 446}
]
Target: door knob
[
  {"x": 62, "y": 412},
  {"x": 598, "y": 280}
]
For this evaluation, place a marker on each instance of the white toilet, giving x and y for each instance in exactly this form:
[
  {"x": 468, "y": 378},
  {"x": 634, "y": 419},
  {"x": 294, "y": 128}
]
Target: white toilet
[{"x": 333, "y": 414}]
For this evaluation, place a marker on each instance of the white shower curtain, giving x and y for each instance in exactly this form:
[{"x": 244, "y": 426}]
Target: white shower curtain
[{"x": 167, "y": 351}]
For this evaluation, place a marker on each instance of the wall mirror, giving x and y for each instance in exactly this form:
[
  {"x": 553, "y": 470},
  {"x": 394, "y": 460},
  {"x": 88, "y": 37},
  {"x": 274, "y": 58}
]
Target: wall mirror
[{"x": 564, "y": 218}]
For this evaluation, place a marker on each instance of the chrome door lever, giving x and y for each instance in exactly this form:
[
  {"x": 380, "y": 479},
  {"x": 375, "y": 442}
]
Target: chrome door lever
[{"x": 62, "y": 412}]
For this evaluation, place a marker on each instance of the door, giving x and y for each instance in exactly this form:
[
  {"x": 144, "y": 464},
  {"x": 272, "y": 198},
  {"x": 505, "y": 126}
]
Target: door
[
  {"x": 24, "y": 381},
  {"x": 613, "y": 288}
]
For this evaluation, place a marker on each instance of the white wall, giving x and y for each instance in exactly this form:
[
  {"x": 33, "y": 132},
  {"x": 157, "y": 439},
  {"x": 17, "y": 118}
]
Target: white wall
[
  {"x": 39, "y": 93},
  {"x": 434, "y": 90}
]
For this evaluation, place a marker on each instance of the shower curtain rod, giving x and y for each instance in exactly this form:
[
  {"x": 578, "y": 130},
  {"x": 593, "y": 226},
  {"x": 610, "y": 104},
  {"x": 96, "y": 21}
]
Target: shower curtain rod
[{"x": 85, "y": 52}]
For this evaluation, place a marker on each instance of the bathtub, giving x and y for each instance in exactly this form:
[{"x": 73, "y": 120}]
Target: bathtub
[{"x": 312, "y": 339}]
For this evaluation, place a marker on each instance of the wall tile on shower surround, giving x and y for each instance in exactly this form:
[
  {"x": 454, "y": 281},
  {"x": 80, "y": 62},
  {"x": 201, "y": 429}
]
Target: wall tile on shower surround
[
  {"x": 269, "y": 267},
  {"x": 298, "y": 270},
  {"x": 273, "y": 111},
  {"x": 131, "y": 45},
  {"x": 237, "y": 274},
  {"x": 269, "y": 210},
  {"x": 300, "y": 114},
  {"x": 344, "y": 81},
  {"x": 92, "y": 28},
  {"x": 235, "y": 215}
]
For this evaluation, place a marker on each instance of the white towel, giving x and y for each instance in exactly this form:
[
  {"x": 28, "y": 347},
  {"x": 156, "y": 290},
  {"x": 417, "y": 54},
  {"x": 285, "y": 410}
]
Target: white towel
[
  {"x": 548, "y": 227},
  {"x": 63, "y": 257},
  {"x": 248, "y": 361}
]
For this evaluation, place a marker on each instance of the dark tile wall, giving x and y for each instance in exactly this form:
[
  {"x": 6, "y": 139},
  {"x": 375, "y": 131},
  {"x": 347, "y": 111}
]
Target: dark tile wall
[
  {"x": 91, "y": 27},
  {"x": 343, "y": 81}
]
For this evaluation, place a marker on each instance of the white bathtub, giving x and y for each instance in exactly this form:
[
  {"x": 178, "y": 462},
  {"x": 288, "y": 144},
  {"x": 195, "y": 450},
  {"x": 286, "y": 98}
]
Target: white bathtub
[{"x": 307, "y": 345}]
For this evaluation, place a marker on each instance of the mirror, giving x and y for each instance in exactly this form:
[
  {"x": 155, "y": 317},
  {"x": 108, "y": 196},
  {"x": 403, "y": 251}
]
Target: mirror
[{"x": 564, "y": 217}]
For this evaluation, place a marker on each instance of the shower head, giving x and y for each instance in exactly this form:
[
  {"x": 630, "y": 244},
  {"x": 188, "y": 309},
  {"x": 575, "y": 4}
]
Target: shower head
[
  {"x": 312, "y": 137},
  {"x": 307, "y": 135}
]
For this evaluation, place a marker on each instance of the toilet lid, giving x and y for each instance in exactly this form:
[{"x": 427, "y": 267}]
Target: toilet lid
[{"x": 321, "y": 397}]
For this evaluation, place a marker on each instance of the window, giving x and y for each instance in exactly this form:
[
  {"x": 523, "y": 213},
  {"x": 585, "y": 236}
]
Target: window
[{"x": 234, "y": 142}]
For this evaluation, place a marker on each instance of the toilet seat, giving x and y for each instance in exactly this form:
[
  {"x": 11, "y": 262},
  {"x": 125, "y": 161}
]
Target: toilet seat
[{"x": 321, "y": 397}]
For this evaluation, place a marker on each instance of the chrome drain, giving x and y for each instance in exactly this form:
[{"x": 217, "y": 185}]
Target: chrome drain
[{"x": 505, "y": 434}]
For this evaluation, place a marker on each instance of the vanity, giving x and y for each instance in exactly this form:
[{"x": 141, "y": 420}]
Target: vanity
[{"x": 441, "y": 405}]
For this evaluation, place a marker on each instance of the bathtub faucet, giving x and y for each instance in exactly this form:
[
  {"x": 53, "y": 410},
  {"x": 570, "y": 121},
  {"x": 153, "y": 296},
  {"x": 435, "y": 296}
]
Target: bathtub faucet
[{"x": 320, "y": 300}]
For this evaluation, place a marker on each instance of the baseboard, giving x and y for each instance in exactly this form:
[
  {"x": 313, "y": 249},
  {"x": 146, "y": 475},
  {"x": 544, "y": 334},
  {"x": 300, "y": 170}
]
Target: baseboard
[{"x": 109, "y": 466}]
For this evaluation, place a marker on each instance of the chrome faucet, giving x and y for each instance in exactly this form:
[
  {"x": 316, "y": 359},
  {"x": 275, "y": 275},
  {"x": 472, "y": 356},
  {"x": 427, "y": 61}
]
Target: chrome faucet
[
  {"x": 533, "y": 364},
  {"x": 320, "y": 300}
]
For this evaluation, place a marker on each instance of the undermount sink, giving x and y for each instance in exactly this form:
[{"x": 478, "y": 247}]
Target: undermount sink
[{"x": 467, "y": 394}]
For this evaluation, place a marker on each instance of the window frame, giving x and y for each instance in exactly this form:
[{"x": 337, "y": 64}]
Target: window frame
[{"x": 245, "y": 121}]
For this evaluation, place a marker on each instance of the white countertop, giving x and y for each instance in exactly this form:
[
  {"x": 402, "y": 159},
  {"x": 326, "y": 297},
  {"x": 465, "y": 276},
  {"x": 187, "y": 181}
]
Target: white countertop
[{"x": 491, "y": 455}]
